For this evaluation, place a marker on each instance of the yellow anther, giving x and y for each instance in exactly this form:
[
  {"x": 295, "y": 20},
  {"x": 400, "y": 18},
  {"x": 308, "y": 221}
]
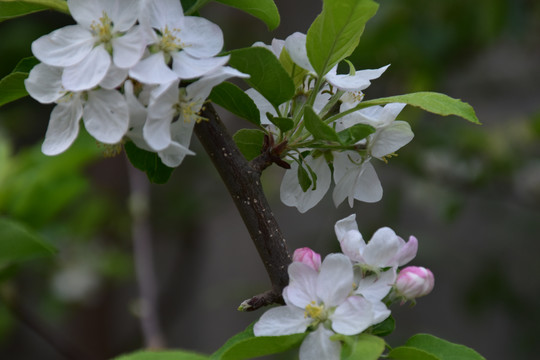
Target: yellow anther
[
  {"x": 103, "y": 29},
  {"x": 314, "y": 311},
  {"x": 385, "y": 158},
  {"x": 170, "y": 41}
]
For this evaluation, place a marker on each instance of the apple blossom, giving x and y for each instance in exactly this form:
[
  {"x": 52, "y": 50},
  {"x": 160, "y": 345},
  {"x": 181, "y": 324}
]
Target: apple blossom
[
  {"x": 307, "y": 256},
  {"x": 414, "y": 282}
]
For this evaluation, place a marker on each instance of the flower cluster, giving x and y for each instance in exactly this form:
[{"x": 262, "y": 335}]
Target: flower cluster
[
  {"x": 348, "y": 292},
  {"x": 334, "y": 98},
  {"x": 119, "y": 69}
]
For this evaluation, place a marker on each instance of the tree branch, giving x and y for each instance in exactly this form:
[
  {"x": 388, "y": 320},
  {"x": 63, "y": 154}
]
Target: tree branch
[{"x": 243, "y": 182}]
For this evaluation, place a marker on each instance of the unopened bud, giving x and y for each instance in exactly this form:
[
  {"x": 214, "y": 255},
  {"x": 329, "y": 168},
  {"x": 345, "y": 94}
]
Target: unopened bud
[
  {"x": 414, "y": 282},
  {"x": 307, "y": 256}
]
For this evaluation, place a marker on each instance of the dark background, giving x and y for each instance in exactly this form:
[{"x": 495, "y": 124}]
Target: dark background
[{"x": 470, "y": 194}]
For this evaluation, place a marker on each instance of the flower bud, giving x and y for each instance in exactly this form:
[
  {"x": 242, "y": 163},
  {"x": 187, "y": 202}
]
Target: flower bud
[
  {"x": 413, "y": 282},
  {"x": 307, "y": 256}
]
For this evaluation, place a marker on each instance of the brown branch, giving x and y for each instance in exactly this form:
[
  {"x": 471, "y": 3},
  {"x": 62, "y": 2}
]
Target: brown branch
[{"x": 242, "y": 179}]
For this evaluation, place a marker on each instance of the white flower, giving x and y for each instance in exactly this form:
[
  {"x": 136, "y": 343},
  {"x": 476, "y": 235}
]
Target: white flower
[
  {"x": 105, "y": 112},
  {"x": 320, "y": 301},
  {"x": 105, "y": 28},
  {"x": 385, "y": 249},
  {"x": 189, "y": 42}
]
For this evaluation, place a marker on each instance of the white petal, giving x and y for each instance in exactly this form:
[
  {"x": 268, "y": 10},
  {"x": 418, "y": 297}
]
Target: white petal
[
  {"x": 382, "y": 247},
  {"x": 345, "y": 225},
  {"x": 44, "y": 83},
  {"x": 296, "y": 47},
  {"x": 380, "y": 312},
  {"x": 153, "y": 70},
  {"x": 352, "y": 245},
  {"x": 188, "y": 67},
  {"x": 157, "y": 129},
  {"x": 302, "y": 288},
  {"x": 89, "y": 72},
  {"x": 114, "y": 78},
  {"x": 262, "y": 104},
  {"x": 202, "y": 38},
  {"x": 64, "y": 47},
  {"x": 291, "y": 192},
  {"x": 129, "y": 48},
  {"x": 353, "y": 316},
  {"x": 106, "y": 116},
  {"x": 282, "y": 320},
  {"x": 357, "y": 82},
  {"x": 335, "y": 281},
  {"x": 375, "y": 287},
  {"x": 318, "y": 346},
  {"x": 162, "y": 13},
  {"x": 368, "y": 187},
  {"x": 174, "y": 154},
  {"x": 123, "y": 13},
  {"x": 85, "y": 12},
  {"x": 63, "y": 127},
  {"x": 201, "y": 88},
  {"x": 391, "y": 138}
]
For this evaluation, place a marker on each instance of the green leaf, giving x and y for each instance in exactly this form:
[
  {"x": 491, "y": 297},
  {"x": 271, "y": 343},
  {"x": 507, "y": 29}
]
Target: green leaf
[
  {"x": 13, "y": 8},
  {"x": 232, "y": 98},
  {"x": 355, "y": 133},
  {"x": 384, "y": 328},
  {"x": 265, "y": 10},
  {"x": 12, "y": 85},
  {"x": 18, "y": 243},
  {"x": 267, "y": 76},
  {"x": 250, "y": 142},
  {"x": 442, "y": 349},
  {"x": 283, "y": 124},
  {"x": 303, "y": 178},
  {"x": 410, "y": 353},
  {"x": 163, "y": 355},
  {"x": 246, "y": 345},
  {"x": 336, "y": 32},
  {"x": 430, "y": 101},
  {"x": 148, "y": 162},
  {"x": 363, "y": 346},
  {"x": 318, "y": 128},
  {"x": 296, "y": 72}
]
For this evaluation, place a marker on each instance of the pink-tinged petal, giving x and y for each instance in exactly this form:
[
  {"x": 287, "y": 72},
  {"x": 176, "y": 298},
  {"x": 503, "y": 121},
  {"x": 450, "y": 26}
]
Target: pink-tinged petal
[
  {"x": 282, "y": 320},
  {"x": 375, "y": 287},
  {"x": 390, "y": 139},
  {"x": 153, "y": 70},
  {"x": 201, "y": 37},
  {"x": 318, "y": 346},
  {"x": 414, "y": 282},
  {"x": 188, "y": 67},
  {"x": 88, "y": 73},
  {"x": 382, "y": 248},
  {"x": 296, "y": 47},
  {"x": 106, "y": 116},
  {"x": 407, "y": 252},
  {"x": 129, "y": 48},
  {"x": 291, "y": 192},
  {"x": 335, "y": 281},
  {"x": 357, "y": 82},
  {"x": 307, "y": 256},
  {"x": 161, "y": 13},
  {"x": 63, "y": 127},
  {"x": 353, "y": 316},
  {"x": 114, "y": 78},
  {"x": 302, "y": 288},
  {"x": 64, "y": 47},
  {"x": 44, "y": 83}
]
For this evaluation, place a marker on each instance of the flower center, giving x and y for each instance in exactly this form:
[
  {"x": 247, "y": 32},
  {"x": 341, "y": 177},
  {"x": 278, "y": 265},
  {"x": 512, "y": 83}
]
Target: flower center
[
  {"x": 102, "y": 29},
  {"x": 314, "y": 311},
  {"x": 170, "y": 42}
]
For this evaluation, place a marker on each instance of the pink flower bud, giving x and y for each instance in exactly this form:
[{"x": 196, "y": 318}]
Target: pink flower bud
[
  {"x": 413, "y": 282},
  {"x": 307, "y": 256}
]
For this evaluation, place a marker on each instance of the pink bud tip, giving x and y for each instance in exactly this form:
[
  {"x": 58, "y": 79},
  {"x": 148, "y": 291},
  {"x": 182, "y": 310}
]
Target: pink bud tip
[
  {"x": 414, "y": 281},
  {"x": 307, "y": 256}
]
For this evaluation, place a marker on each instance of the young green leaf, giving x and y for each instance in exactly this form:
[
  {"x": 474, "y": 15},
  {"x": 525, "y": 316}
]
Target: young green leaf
[
  {"x": 13, "y": 8},
  {"x": 363, "y": 346},
  {"x": 163, "y": 355},
  {"x": 303, "y": 178},
  {"x": 336, "y": 32},
  {"x": 12, "y": 85},
  {"x": 246, "y": 345},
  {"x": 149, "y": 162},
  {"x": 232, "y": 98},
  {"x": 429, "y": 345},
  {"x": 250, "y": 142},
  {"x": 355, "y": 133},
  {"x": 317, "y": 127},
  {"x": 436, "y": 103},
  {"x": 265, "y": 10},
  {"x": 283, "y": 124},
  {"x": 384, "y": 328},
  {"x": 267, "y": 76},
  {"x": 18, "y": 243}
]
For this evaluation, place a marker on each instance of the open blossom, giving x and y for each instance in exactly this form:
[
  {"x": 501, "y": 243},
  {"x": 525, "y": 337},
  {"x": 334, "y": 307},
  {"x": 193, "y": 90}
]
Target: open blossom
[
  {"x": 385, "y": 249},
  {"x": 181, "y": 47},
  {"x": 105, "y": 112},
  {"x": 105, "y": 35},
  {"x": 413, "y": 282},
  {"x": 322, "y": 302}
]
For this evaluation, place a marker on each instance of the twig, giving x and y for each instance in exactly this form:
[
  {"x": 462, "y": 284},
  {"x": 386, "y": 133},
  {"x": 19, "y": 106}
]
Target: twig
[
  {"x": 243, "y": 182},
  {"x": 144, "y": 262}
]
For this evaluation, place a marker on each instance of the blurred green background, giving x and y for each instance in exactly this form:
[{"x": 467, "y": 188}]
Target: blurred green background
[{"x": 470, "y": 194}]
